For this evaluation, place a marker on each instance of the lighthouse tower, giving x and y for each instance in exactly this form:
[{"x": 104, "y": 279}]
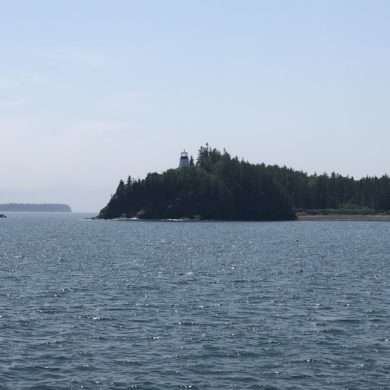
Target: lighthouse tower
[{"x": 184, "y": 162}]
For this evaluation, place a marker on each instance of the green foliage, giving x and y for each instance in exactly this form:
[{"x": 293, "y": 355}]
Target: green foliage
[
  {"x": 217, "y": 187},
  {"x": 221, "y": 187}
]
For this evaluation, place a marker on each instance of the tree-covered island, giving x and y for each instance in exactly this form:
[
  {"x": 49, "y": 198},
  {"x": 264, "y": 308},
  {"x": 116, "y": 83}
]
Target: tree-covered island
[{"x": 222, "y": 187}]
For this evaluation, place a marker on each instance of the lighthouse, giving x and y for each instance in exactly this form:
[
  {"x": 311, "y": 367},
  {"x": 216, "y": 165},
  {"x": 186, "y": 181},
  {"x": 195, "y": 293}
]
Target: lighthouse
[{"x": 184, "y": 162}]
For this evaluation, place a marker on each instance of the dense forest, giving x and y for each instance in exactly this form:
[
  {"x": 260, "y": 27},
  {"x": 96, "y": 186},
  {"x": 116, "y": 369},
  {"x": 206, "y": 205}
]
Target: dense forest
[{"x": 219, "y": 186}]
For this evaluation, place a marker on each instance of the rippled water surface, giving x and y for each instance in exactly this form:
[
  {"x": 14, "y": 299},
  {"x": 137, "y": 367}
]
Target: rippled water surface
[{"x": 164, "y": 305}]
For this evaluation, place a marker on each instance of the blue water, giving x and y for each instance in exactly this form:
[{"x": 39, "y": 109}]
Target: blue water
[{"x": 159, "y": 305}]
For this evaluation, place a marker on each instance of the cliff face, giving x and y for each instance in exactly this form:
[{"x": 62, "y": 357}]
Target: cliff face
[{"x": 25, "y": 207}]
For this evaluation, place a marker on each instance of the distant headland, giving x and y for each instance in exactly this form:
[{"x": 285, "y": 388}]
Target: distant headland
[
  {"x": 219, "y": 187},
  {"x": 27, "y": 207}
]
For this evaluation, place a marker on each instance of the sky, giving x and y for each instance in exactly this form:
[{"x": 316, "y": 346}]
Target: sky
[{"x": 93, "y": 91}]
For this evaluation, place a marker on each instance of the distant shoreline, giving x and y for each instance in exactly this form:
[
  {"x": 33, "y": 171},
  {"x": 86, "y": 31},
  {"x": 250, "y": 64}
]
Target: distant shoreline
[
  {"x": 343, "y": 217},
  {"x": 34, "y": 207}
]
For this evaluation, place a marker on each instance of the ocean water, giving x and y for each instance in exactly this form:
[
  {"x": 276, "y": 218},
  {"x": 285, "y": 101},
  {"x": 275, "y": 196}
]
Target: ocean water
[{"x": 165, "y": 305}]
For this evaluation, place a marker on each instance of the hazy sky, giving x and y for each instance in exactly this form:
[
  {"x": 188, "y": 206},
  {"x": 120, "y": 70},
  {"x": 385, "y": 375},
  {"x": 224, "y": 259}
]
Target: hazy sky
[{"x": 92, "y": 91}]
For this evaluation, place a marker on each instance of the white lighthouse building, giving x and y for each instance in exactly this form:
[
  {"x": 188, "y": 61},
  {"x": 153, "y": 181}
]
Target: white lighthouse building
[{"x": 184, "y": 162}]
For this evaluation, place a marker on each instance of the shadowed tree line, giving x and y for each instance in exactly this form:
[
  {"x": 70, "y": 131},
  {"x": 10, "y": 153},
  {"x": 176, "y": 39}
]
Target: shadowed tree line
[{"x": 219, "y": 186}]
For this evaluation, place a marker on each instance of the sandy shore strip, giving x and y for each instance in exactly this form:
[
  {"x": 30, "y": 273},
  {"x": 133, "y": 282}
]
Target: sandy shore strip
[{"x": 343, "y": 217}]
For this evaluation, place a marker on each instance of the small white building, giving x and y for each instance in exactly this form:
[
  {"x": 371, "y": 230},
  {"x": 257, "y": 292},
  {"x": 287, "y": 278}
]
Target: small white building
[{"x": 184, "y": 161}]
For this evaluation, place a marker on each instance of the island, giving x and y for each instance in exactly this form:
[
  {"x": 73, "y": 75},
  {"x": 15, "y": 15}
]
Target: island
[
  {"x": 218, "y": 186},
  {"x": 27, "y": 207}
]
